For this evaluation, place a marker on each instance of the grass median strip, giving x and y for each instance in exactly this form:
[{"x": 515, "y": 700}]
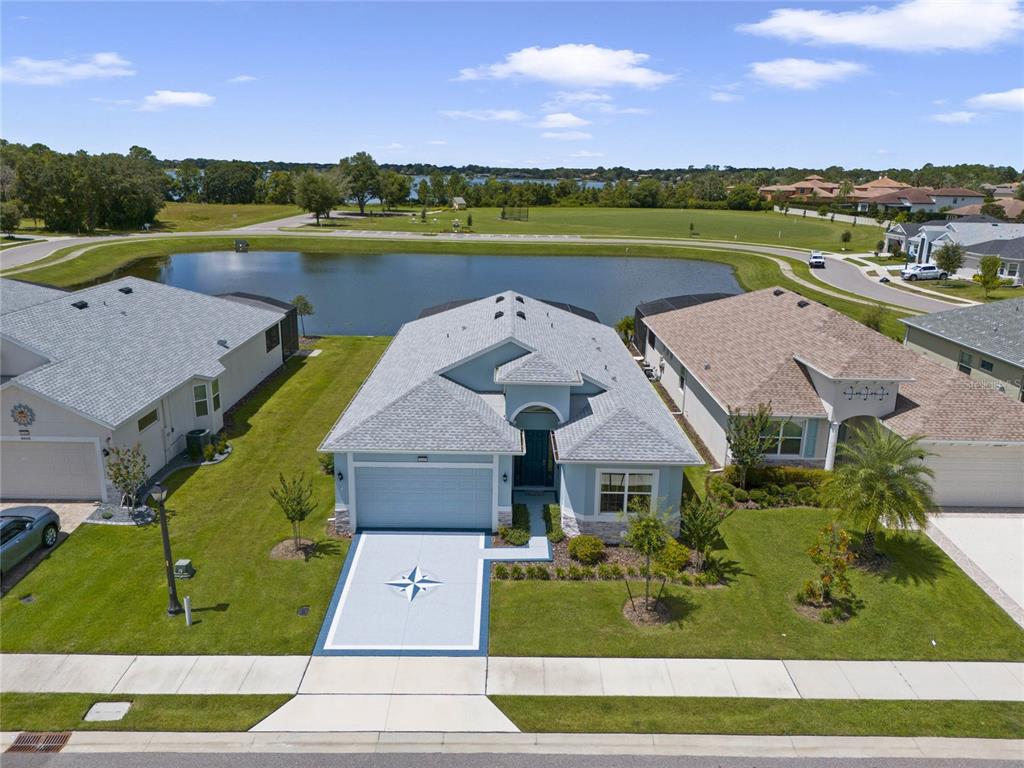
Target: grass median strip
[
  {"x": 786, "y": 717},
  {"x": 64, "y": 712}
]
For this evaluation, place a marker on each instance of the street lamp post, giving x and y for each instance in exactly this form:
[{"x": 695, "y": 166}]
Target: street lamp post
[{"x": 159, "y": 494}]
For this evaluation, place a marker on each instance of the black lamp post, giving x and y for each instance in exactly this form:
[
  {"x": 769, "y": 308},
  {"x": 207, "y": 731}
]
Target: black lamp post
[{"x": 159, "y": 494}]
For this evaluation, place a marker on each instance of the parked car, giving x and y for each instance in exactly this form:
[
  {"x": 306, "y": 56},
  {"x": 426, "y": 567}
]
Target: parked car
[
  {"x": 923, "y": 272},
  {"x": 23, "y": 530},
  {"x": 816, "y": 260}
]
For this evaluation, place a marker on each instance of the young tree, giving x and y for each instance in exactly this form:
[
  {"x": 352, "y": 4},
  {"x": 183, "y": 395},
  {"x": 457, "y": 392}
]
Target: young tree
[
  {"x": 295, "y": 497},
  {"x": 647, "y": 533},
  {"x": 746, "y": 435},
  {"x": 625, "y": 328},
  {"x": 698, "y": 527},
  {"x": 126, "y": 468},
  {"x": 10, "y": 216},
  {"x": 423, "y": 195},
  {"x": 303, "y": 308},
  {"x": 188, "y": 182},
  {"x": 831, "y": 553},
  {"x": 316, "y": 193},
  {"x": 845, "y": 238},
  {"x": 988, "y": 274},
  {"x": 949, "y": 258},
  {"x": 363, "y": 176},
  {"x": 881, "y": 480}
]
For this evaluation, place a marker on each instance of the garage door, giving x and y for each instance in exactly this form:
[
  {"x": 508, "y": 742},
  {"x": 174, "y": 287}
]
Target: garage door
[
  {"x": 423, "y": 497},
  {"x": 978, "y": 476},
  {"x": 44, "y": 471}
]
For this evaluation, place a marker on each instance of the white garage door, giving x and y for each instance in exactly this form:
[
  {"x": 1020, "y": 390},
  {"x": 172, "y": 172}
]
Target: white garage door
[
  {"x": 45, "y": 471},
  {"x": 412, "y": 498},
  {"x": 978, "y": 476}
]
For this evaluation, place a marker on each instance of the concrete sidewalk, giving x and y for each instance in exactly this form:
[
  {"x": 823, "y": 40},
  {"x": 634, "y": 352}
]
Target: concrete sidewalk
[
  {"x": 479, "y": 675},
  {"x": 819, "y": 747}
]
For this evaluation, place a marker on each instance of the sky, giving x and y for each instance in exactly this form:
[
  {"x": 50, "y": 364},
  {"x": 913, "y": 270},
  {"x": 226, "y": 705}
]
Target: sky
[{"x": 527, "y": 84}]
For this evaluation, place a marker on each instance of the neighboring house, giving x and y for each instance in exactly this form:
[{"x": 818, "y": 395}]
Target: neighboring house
[
  {"x": 1011, "y": 259},
  {"x": 810, "y": 188},
  {"x": 914, "y": 199},
  {"x": 985, "y": 342},
  {"x": 1013, "y": 209},
  {"x": 967, "y": 231},
  {"x": 658, "y": 306},
  {"x": 123, "y": 363},
  {"x": 459, "y": 203},
  {"x": 503, "y": 394},
  {"x": 1002, "y": 190},
  {"x": 822, "y": 372},
  {"x": 900, "y": 234}
]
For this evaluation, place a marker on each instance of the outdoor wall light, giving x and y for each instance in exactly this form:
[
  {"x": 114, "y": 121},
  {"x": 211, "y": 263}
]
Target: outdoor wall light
[
  {"x": 341, "y": 476},
  {"x": 504, "y": 477}
]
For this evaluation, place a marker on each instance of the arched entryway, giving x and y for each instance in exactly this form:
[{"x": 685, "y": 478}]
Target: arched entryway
[{"x": 536, "y": 468}]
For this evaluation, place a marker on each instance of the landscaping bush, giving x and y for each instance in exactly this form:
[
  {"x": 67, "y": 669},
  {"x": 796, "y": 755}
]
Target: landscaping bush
[
  {"x": 553, "y": 523},
  {"x": 578, "y": 573},
  {"x": 758, "y": 496},
  {"x": 761, "y": 477},
  {"x": 790, "y": 490},
  {"x": 722, "y": 489},
  {"x": 741, "y": 496},
  {"x": 517, "y": 572},
  {"x": 560, "y": 572},
  {"x": 512, "y": 536},
  {"x": 220, "y": 444},
  {"x": 521, "y": 517},
  {"x": 674, "y": 558},
  {"x": 501, "y": 571},
  {"x": 610, "y": 571},
  {"x": 537, "y": 572},
  {"x": 209, "y": 452},
  {"x": 326, "y": 461},
  {"x": 588, "y": 550},
  {"x": 808, "y": 496}
]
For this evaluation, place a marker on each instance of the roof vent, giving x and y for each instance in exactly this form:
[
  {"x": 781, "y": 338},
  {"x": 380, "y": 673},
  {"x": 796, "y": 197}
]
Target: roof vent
[
  {"x": 223, "y": 343},
  {"x": 498, "y": 314},
  {"x": 80, "y": 304},
  {"x": 520, "y": 314},
  {"x": 803, "y": 303},
  {"x": 499, "y": 299},
  {"x": 520, "y": 299},
  {"x": 125, "y": 290},
  {"x": 778, "y": 292}
]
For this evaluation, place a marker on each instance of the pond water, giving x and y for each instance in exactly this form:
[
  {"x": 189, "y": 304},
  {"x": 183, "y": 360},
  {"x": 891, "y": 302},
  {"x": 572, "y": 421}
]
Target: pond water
[{"x": 356, "y": 294}]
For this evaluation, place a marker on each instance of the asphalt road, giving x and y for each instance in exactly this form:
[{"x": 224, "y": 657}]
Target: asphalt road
[
  {"x": 449, "y": 760},
  {"x": 847, "y": 277}
]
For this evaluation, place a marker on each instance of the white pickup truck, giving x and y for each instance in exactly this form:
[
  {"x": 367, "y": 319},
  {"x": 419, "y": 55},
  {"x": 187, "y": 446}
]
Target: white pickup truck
[{"x": 816, "y": 259}]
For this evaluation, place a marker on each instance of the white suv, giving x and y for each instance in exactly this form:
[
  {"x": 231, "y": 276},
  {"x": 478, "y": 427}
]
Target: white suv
[
  {"x": 816, "y": 260},
  {"x": 923, "y": 272}
]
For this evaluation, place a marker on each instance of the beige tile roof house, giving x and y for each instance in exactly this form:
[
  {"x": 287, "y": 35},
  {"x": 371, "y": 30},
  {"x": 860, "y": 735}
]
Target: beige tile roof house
[{"x": 823, "y": 372}]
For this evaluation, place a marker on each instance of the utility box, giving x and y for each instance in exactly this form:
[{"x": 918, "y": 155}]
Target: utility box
[{"x": 183, "y": 569}]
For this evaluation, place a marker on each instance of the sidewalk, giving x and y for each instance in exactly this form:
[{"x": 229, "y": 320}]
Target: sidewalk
[
  {"x": 848, "y": 747},
  {"x": 479, "y": 675}
]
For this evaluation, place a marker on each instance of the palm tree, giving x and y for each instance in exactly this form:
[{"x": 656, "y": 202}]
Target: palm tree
[{"x": 882, "y": 480}]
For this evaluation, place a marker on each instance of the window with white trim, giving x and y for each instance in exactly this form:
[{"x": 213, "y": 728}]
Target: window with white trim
[
  {"x": 784, "y": 438},
  {"x": 215, "y": 390},
  {"x": 199, "y": 397},
  {"x": 619, "y": 491},
  {"x": 148, "y": 420}
]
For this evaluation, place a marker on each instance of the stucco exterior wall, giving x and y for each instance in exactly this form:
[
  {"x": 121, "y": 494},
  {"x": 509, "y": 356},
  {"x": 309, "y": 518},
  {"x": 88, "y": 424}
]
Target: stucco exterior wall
[
  {"x": 947, "y": 353},
  {"x": 521, "y": 395},
  {"x": 478, "y": 374},
  {"x": 245, "y": 367}
]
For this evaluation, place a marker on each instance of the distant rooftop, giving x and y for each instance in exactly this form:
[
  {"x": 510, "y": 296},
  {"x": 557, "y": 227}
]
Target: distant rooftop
[{"x": 996, "y": 328}]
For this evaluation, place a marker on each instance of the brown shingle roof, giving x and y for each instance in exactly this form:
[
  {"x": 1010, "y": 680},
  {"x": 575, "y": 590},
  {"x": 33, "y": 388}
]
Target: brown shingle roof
[
  {"x": 755, "y": 348},
  {"x": 883, "y": 182},
  {"x": 1011, "y": 207}
]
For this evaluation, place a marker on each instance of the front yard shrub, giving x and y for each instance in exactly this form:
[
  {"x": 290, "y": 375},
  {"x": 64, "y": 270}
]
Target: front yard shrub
[
  {"x": 808, "y": 496},
  {"x": 501, "y": 571},
  {"x": 674, "y": 558},
  {"x": 578, "y": 573},
  {"x": 722, "y": 489},
  {"x": 537, "y": 572},
  {"x": 778, "y": 475},
  {"x": 758, "y": 496},
  {"x": 741, "y": 496},
  {"x": 209, "y": 452},
  {"x": 515, "y": 537},
  {"x": 588, "y": 550},
  {"x": 560, "y": 572},
  {"x": 521, "y": 517},
  {"x": 830, "y": 590},
  {"x": 517, "y": 572},
  {"x": 326, "y": 461},
  {"x": 698, "y": 528},
  {"x": 553, "y": 523},
  {"x": 610, "y": 571}
]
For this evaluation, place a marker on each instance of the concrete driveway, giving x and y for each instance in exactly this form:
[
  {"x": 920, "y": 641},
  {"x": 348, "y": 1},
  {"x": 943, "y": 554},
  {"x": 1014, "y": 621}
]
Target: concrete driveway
[{"x": 989, "y": 547}]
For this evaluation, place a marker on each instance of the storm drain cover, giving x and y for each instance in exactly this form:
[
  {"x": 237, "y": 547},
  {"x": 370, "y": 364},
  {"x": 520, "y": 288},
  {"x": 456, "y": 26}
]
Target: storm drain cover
[{"x": 39, "y": 742}]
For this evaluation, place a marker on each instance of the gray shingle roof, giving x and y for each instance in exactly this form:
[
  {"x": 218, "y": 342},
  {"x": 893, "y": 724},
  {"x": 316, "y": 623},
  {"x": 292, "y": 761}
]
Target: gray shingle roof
[
  {"x": 1007, "y": 249},
  {"x": 534, "y": 368},
  {"x": 16, "y": 295},
  {"x": 125, "y": 351},
  {"x": 407, "y": 404},
  {"x": 996, "y": 328}
]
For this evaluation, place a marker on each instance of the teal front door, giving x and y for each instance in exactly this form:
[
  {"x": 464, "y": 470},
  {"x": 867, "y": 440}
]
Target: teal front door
[{"x": 537, "y": 467}]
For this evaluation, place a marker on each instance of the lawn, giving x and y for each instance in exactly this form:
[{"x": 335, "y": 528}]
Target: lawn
[
  {"x": 11, "y": 242},
  {"x": 968, "y": 289},
  {"x": 64, "y": 712},
  {"x": 103, "y": 590},
  {"x": 744, "y": 226},
  {"x": 923, "y": 607},
  {"x": 782, "y": 717}
]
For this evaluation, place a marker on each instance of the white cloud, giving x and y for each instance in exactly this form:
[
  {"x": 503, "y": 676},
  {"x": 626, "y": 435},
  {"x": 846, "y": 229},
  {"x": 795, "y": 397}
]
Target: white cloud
[
  {"x": 803, "y": 74},
  {"x": 486, "y": 115},
  {"x": 954, "y": 117},
  {"x": 883, "y": 151},
  {"x": 724, "y": 96},
  {"x": 438, "y": 142},
  {"x": 938, "y": 102},
  {"x": 611, "y": 109},
  {"x": 585, "y": 66},
  {"x": 98, "y": 66},
  {"x": 565, "y": 135},
  {"x": 562, "y": 120},
  {"x": 1012, "y": 100},
  {"x": 585, "y": 153},
  {"x": 243, "y": 79},
  {"x": 160, "y": 100},
  {"x": 915, "y": 25},
  {"x": 578, "y": 97}
]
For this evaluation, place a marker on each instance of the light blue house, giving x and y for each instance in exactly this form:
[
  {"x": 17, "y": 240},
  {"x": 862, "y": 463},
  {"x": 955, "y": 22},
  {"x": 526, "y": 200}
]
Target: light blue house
[{"x": 500, "y": 396}]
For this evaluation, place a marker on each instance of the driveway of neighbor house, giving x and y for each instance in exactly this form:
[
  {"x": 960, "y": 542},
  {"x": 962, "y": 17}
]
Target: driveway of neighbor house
[
  {"x": 989, "y": 547},
  {"x": 419, "y": 593}
]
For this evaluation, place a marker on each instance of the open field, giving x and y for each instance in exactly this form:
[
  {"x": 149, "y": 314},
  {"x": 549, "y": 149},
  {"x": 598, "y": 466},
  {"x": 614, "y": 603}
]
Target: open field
[
  {"x": 610, "y": 714},
  {"x": 922, "y": 606},
  {"x": 744, "y": 226},
  {"x": 103, "y": 590},
  {"x": 64, "y": 712}
]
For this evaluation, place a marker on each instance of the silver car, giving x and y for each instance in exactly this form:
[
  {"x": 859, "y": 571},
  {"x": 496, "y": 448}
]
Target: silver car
[{"x": 23, "y": 530}]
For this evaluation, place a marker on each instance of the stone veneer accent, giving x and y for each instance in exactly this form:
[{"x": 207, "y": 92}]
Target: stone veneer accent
[
  {"x": 342, "y": 521},
  {"x": 609, "y": 531},
  {"x": 504, "y": 516}
]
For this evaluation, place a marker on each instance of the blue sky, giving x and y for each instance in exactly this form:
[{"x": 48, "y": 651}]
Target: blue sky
[{"x": 525, "y": 84}]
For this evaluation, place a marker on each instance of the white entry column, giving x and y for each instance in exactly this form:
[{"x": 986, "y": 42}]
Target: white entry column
[{"x": 833, "y": 439}]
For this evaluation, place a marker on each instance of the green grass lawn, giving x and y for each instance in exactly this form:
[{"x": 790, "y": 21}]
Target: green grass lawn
[
  {"x": 968, "y": 289},
  {"x": 923, "y": 597},
  {"x": 613, "y": 714},
  {"x": 103, "y": 590},
  {"x": 194, "y": 217},
  {"x": 10, "y": 242},
  {"x": 64, "y": 712},
  {"x": 745, "y": 226}
]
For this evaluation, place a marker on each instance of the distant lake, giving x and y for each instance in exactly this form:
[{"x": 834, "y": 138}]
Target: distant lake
[{"x": 374, "y": 294}]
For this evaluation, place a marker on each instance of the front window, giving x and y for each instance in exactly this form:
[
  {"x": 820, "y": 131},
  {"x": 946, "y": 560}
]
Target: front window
[
  {"x": 199, "y": 396},
  {"x": 965, "y": 363},
  {"x": 622, "y": 491},
  {"x": 273, "y": 336},
  {"x": 986, "y": 365},
  {"x": 784, "y": 438},
  {"x": 148, "y": 420},
  {"x": 215, "y": 389}
]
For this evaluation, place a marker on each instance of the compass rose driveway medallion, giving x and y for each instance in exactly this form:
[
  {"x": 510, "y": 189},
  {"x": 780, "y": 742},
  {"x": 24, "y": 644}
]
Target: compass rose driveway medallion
[{"x": 412, "y": 583}]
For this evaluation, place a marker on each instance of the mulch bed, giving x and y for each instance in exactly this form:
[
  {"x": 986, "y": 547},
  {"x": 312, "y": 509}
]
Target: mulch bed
[
  {"x": 624, "y": 556},
  {"x": 642, "y": 617},
  {"x": 286, "y": 550}
]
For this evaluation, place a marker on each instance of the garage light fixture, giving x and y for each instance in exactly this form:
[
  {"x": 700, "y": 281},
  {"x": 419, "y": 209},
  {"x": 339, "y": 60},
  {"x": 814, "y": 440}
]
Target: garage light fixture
[{"x": 341, "y": 476}]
